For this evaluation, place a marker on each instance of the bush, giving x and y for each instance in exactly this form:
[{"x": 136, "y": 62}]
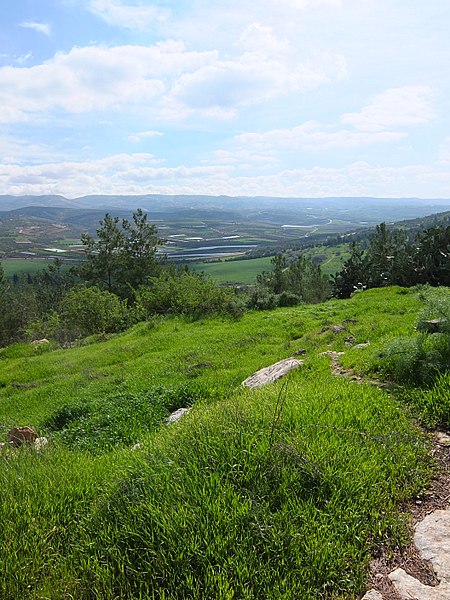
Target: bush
[
  {"x": 288, "y": 299},
  {"x": 89, "y": 310},
  {"x": 186, "y": 294},
  {"x": 420, "y": 359}
]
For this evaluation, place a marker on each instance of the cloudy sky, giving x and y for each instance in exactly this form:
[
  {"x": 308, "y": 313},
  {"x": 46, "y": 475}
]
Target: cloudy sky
[{"x": 240, "y": 97}]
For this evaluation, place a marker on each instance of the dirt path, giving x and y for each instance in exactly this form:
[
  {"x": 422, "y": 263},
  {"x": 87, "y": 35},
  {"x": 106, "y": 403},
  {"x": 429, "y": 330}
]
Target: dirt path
[{"x": 421, "y": 570}]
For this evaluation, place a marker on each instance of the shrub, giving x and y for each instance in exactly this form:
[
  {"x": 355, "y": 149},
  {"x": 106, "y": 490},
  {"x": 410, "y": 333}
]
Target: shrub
[
  {"x": 89, "y": 310},
  {"x": 186, "y": 294},
  {"x": 420, "y": 359}
]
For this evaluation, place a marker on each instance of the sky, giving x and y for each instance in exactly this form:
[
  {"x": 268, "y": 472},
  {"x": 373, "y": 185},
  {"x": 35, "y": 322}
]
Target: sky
[{"x": 292, "y": 98}]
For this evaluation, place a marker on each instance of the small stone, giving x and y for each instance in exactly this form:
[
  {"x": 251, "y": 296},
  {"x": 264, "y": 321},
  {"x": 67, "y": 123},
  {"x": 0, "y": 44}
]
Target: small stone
[
  {"x": 443, "y": 439},
  {"x": 40, "y": 443},
  {"x": 300, "y": 352},
  {"x": 372, "y": 595},
  {"x": 136, "y": 447},
  {"x": 177, "y": 415},
  {"x": 21, "y": 435},
  {"x": 361, "y": 346},
  {"x": 338, "y": 328}
]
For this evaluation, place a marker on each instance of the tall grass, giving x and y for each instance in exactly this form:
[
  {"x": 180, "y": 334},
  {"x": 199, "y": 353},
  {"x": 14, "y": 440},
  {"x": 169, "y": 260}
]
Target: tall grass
[{"x": 281, "y": 493}]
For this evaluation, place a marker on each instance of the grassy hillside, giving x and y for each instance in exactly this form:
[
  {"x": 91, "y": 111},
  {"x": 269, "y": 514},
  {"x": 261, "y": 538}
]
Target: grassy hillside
[{"x": 283, "y": 492}]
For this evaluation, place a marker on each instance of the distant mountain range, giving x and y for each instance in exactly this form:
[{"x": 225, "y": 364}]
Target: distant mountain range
[{"x": 359, "y": 211}]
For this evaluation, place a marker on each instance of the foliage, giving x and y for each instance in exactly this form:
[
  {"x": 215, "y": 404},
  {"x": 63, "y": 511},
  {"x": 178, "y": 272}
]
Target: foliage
[
  {"x": 187, "y": 294},
  {"x": 393, "y": 259},
  {"x": 239, "y": 497},
  {"x": 352, "y": 274},
  {"x": 123, "y": 254},
  {"x": 89, "y": 310},
  {"x": 420, "y": 359},
  {"x": 289, "y": 284}
]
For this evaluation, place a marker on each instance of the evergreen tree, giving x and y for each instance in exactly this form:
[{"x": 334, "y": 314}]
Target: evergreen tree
[{"x": 353, "y": 274}]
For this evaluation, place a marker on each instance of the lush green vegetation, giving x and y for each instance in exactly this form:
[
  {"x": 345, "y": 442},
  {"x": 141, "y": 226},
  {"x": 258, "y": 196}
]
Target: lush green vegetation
[
  {"x": 283, "y": 492},
  {"x": 234, "y": 271}
]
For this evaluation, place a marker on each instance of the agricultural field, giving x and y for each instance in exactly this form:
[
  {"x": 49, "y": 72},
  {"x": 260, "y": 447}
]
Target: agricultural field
[{"x": 283, "y": 492}]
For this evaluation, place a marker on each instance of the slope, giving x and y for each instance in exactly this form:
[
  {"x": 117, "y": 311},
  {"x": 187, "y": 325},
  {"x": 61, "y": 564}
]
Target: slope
[{"x": 283, "y": 492}]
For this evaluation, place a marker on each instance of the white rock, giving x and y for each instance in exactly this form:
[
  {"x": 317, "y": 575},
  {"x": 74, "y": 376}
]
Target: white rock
[
  {"x": 177, "y": 415},
  {"x": 410, "y": 588},
  {"x": 272, "y": 373},
  {"x": 443, "y": 438},
  {"x": 40, "y": 443},
  {"x": 372, "y": 595},
  {"x": 432, "y": 538},
  {"x": 136, "y": 447}
]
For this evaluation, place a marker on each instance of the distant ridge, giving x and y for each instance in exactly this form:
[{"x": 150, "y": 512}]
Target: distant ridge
[{"x": 160, "y": 202}]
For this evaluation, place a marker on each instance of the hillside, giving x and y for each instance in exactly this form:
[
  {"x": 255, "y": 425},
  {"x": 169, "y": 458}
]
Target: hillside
[{"x": 283, "y": 492}]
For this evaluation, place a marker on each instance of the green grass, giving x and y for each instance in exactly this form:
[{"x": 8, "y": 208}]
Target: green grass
[
  {"x": 234, "y": 271},
  {"x": 281, "y": 493}
]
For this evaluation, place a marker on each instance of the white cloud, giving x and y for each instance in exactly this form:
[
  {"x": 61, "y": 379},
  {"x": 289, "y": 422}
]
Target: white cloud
[
  {"x": 94, "y": 78},
  {"x": 166, "y": 79},
  {"x": 266, "y": 69},
  {"x": 130, "y": 16},
  {"x": 395, "y": 108},
  {"x": 140, "y": 135},
  {"x": 261, "y": 149},
  {"x": 39, "y": 27},
  {"x": 140, "y": 174}
]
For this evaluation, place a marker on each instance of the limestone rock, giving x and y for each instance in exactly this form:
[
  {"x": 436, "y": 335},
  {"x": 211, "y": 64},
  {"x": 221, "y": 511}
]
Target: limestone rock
[
  {"x": 177, "y": 415},
  {"x": 372, "y": 595},
  {"x": 272, "y": 373},
  {"x": 40, "y": 443},
  {"x": 433, "y": 326},
  {"x": 21, "y": 435},
  {"x": 443, "y": 439},
  {"x": 40, "y": 342},
  {"x": 338, "y": 328},
  {"x": 408, "y": 587},
  {"x": 432, "y": 538}
]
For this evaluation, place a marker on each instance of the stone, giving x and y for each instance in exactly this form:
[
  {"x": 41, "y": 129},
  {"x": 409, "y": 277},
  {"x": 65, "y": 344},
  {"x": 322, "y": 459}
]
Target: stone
[
  {"x": 21, "y": 435},
  {"x": 175, "y": 416},
  {"x": 443, "y": 439},
  {"x": 136, "y": 447},
  {"x": 272, "y": 373},
  {"x": 433, "y": 326},
  {"x": 361, "y": 346},
  {"x": 372, "y": 595},
  {"x": 410, "y": 588},
  {"x": 40, "y": 443},
  {"x": 300, "y": 352},
  {"x": 338, "y": 328},
  {"x": 432, "y": 539},
  {"x": 40, "y": 342}
]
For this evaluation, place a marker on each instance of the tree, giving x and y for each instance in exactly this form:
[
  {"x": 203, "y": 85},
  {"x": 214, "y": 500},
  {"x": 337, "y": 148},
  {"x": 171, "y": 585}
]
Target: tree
[
  {"x": 123, "y": 254},
  {"x": 51, "y": 285},
  {"x": 103, "y": 255},
  {"x": 432, "y": 256},
  {"x": 353, "y": 274},
  {"x": 139, "y": 260}
]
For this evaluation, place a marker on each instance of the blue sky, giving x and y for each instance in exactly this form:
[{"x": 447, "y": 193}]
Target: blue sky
[{"x": 276, "y": 97}]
